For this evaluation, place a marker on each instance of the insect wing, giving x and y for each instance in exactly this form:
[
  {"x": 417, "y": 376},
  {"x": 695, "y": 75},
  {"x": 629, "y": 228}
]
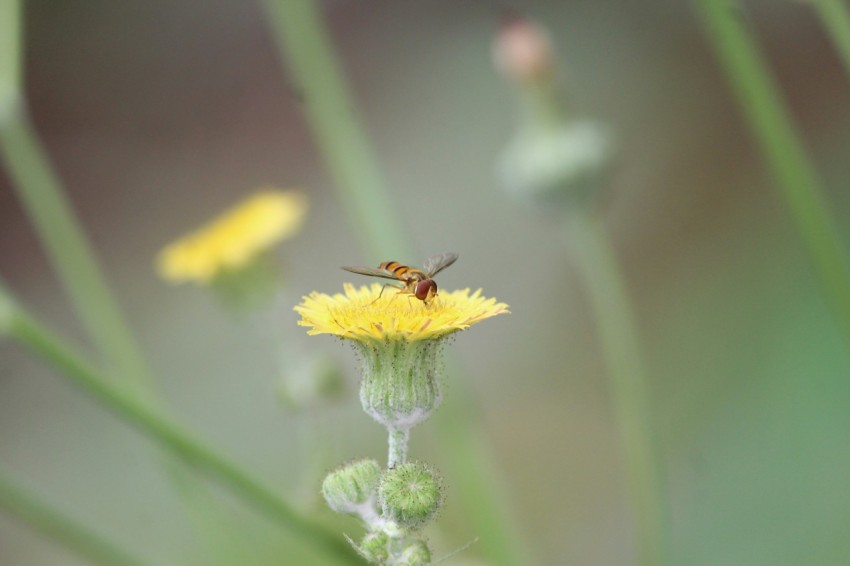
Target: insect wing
[
  {"x": 372, "y": 272},
  {"x": 436, "y": 263}
]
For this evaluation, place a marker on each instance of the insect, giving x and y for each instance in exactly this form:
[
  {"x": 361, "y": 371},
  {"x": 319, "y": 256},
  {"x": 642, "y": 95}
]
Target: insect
[{"x": 419, "y": 283}]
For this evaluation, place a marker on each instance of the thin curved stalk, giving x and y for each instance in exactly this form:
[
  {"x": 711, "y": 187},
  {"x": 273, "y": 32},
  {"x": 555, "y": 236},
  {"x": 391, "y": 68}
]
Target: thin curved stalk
[
  {"x": 164, "y": 431},
  {"x": 10, "y": 57},
  {"x": 786, "y": 158},
  {"x": 41, "y": 193},
  {"x": 44, "y": 201},
  {"x": 303, "y": 43},
  {"x": 835, "y": 17}
]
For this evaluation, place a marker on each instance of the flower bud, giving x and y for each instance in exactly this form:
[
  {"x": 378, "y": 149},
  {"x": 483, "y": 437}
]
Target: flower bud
[
  {"x": 564, "y": 165},
  {"x": 523, "y": 51},
  {"x": 352, "y": 488},
  {"x": 553, "y": 161},
  {"x": 417, "y": 554},
  {"x": 374, "y": 547},
  {"x": 410, "y": 494}
]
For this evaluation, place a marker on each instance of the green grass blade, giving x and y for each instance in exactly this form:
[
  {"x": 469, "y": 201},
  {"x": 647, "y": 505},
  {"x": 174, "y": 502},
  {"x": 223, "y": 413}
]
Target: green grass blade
[
  {"x": 165, "y": 432},
  {"x": 786, "y": 158},
  {"x": 835, "y": 17}
]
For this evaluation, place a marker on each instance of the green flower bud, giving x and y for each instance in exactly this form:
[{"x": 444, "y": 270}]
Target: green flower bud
[
  {"x": 410, "y": 494},
  {"x": 374, "y": 547},
  {"x": 352, "y": 488},
  {"x": 417, "y": 554}
]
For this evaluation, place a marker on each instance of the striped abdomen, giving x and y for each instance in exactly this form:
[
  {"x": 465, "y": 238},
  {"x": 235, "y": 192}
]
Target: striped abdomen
[{"x": 402, "y": 272}]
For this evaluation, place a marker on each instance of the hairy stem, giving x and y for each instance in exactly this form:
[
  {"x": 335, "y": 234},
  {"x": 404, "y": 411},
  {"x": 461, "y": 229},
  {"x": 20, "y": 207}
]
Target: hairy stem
[{"x": 398, "y": 443}]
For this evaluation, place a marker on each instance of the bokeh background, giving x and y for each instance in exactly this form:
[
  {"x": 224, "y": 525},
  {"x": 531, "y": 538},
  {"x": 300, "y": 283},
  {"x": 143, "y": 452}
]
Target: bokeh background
[{"x": 158, "y": 115}]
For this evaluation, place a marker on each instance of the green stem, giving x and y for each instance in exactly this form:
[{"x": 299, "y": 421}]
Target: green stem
[
  {"x": 598, "y": 267},
  {"x": 41, "y": 194},
  {"x": 780, "y": 144},
  {"x": 304, "y": 44},
  {"x": 398, "y": 443},
  {"x": 835, "y": 17},
  {"x": 61, "y": 528},
  {"x": 163, "y": 431},
  {"x": 10, "y": 57}
]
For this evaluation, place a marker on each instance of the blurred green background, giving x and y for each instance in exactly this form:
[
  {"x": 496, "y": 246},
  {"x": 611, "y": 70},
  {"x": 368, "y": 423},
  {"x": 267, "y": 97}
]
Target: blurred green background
[{"x": 159, "y": 115}]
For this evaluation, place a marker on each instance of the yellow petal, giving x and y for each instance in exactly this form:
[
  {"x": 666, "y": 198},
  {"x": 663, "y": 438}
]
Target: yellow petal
[
  {"x": 360, "y": 314},
  {"x": 234, "y": 238}
]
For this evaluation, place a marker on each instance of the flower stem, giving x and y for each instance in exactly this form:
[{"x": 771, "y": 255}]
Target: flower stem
[
  {"x": 598, "y": 267},
  {"x": 303, "y": 42},
  {"x": 782, "y": 149},
  {"x": 61, "y": 528},
  {"x": 398, "y": 443},
  {"x": 161, "y": 429},
  {"x": 835, "y": 17}
]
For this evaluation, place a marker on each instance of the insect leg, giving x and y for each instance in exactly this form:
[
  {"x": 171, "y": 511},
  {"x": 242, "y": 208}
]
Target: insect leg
[{"x": 400, "y": 290}]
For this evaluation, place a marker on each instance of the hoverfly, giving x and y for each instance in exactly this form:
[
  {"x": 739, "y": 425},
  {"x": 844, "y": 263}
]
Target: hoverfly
[{"x": 419, "y": 283}]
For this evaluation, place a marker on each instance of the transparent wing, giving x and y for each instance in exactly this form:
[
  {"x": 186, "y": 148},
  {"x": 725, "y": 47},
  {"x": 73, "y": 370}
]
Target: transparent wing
[
  {"x": 371, "y": 272},
  {"x": 436, "y": 263}
]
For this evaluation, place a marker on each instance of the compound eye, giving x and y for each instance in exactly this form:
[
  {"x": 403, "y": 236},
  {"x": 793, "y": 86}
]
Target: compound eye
[{"x": 424, "y": 287}]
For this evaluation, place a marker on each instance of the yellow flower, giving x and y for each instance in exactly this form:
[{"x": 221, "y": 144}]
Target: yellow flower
[
  {"x": 360, "y": 315},
  {"x": 235, "y": 238}
]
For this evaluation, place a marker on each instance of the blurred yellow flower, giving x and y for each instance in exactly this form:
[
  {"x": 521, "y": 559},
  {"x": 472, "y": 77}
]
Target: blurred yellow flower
[
  {"x": 232, "y": 240},
  {"x": 360, "y": 315}
]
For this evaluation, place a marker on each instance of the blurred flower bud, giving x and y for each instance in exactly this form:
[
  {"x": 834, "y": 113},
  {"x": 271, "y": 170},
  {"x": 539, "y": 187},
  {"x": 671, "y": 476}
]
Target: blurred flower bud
[
  {"x": 523, "y": 51},
  {"x": 310, "y": 382},
  {"x": 560, "y": 166},
  {"x": 416, "y": 554},
  {"x": 553, "y": 160},
  {"x": 410, "y": 494},
  {"x": 353, "y": 487},
  {"x": 374, "y": 547}
]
